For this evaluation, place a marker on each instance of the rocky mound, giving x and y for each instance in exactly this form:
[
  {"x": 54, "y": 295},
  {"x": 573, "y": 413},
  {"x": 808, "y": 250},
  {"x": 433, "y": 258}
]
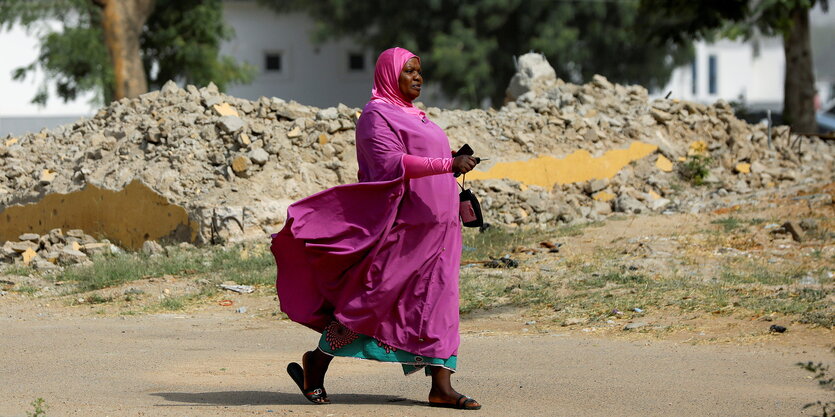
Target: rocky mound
[{"x": 234, "y": 165}]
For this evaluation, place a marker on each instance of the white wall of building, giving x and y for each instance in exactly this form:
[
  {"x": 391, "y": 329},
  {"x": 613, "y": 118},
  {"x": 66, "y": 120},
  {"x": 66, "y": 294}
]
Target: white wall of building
[
  {"x": 313, "y": 75},
  {"x": 742, "y": 70}
]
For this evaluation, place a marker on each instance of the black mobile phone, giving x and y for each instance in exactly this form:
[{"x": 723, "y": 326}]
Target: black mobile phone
[{"x": 465, "y": 150}]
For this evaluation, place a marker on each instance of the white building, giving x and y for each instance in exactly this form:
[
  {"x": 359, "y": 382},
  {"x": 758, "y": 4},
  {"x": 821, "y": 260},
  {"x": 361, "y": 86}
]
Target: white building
[
  {"x": 751, "y": 72},
  {"x": 289, "y": 66}
]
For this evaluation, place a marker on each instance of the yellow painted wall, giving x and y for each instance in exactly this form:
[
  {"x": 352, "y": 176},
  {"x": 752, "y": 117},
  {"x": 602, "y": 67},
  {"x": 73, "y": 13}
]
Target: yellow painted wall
[
  {"x": 546, "y": 171},
  {"x": 128, "y": 217}
]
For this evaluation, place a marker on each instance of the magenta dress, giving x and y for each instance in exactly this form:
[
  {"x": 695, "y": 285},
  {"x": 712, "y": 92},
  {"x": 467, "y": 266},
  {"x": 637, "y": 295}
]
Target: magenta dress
[{"x": 382, "y": 256}]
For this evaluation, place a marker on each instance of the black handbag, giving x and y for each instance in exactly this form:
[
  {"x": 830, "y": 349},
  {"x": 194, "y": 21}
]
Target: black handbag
[{"x": 468, "y": 207}]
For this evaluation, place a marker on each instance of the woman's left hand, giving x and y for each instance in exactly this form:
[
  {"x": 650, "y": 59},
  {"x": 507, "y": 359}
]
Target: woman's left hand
[{"x": 463, "y": 164}]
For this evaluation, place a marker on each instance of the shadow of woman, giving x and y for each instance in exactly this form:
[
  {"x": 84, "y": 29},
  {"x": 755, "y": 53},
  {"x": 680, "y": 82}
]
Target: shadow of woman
[{"x": 232, "y": 398}]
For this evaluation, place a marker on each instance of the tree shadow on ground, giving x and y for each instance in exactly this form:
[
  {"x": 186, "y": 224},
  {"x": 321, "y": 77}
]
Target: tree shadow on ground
[{"x": 273, "y": 398}]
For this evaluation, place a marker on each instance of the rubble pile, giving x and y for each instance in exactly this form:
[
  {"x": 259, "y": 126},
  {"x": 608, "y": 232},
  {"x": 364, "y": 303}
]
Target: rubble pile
[
  {"x": 235, "y": 165},
  {"x": 55, "y": 249}
]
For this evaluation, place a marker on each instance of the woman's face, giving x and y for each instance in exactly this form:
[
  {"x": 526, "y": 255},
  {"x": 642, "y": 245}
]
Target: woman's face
[{"x": 411, "y": 80}]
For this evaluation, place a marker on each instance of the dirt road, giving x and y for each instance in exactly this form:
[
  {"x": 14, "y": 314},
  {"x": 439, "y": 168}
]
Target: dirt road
[{"x": 226, "y": 364}]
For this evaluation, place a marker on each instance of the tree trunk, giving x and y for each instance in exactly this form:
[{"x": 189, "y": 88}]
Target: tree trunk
[
  {"x": 122, "y": 22},
  {"x": 799, "y": 85}
]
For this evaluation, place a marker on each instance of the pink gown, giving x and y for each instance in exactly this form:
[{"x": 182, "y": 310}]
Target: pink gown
[{"x": 380, "y": 256}]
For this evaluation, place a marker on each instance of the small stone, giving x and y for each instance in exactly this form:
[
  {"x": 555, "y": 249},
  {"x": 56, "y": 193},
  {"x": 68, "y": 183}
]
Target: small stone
[
  {"x": 224, "y": 109},
  {"x": 259, "y": 156},
  {"x": 28, "y": 255},
  {"x": 240, "y": 165},
  {"x": 153, "y": 135},
  {"x": 76, "y": 233},
  {"x": 327, "y": 114},
  {"x": 742, "y": 168},
  {"x": 636, "y": 325},
  {"x": 660, "y": 116},
  {"x": 31, "y": 237},
  {"x": 21, "y": 247},
  {"x": 44, "y": 265},
  {"x": 571, "y": 321},
  {"x": 241, "y": 310},
  {"x": 243, "y": 139},
  {"x": 323, "y": 139},
  {"x": 95, "y": 248},
  {"x": 170, "y": 87},
  {"x": 603, "y": 196},
  {"x": 596, "y": 185},
  {"x": 664, "y": 164},
  {"x": 294, "y": 132},
  {"x": 150, "y": 247},
  {"x": 70, "y": 256},
  {"x": 230, "y": 124},
  {"x": 47, "y": 176}
]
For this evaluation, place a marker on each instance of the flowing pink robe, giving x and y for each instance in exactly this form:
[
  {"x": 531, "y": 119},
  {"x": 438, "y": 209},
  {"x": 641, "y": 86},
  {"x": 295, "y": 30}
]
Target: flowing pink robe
[{"x": 381, "y": 256}]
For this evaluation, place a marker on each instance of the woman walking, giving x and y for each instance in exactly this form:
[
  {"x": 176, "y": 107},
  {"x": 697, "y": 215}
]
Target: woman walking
[{"x": 373, "y": 266}]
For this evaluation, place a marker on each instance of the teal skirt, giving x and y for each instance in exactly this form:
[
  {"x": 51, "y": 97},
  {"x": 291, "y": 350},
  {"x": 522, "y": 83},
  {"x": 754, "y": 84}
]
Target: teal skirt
[{"x": 338, "y": 340}]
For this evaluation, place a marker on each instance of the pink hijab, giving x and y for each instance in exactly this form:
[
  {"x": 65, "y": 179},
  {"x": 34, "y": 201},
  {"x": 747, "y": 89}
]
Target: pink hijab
[{"x": 386, "y": 76}]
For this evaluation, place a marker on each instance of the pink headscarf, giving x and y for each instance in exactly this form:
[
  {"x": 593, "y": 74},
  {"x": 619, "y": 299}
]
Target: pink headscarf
[{"x": 386, "y": 75}]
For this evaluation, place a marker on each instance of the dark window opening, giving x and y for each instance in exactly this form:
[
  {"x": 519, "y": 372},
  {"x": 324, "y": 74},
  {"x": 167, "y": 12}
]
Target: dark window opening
[
  {"x": 356, "y": 62},
  {"x": 272, "y": 61},
  {"x": 711, "y": 73}
]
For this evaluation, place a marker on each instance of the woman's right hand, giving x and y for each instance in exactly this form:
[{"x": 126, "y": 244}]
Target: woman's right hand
[{"x": 463, "y": 164}]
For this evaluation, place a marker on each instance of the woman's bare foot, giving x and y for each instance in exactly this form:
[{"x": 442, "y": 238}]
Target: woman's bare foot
[
  {"x": 315, "y": 365},
  {"x": 442, "y": 394}
]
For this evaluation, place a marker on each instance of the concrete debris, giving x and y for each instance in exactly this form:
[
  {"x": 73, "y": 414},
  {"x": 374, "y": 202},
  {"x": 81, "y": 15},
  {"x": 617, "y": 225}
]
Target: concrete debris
[
  {"x": 53, "y": 250},
  {"x": 227, "y": 168},
  {"x": 243, "y": 289}
]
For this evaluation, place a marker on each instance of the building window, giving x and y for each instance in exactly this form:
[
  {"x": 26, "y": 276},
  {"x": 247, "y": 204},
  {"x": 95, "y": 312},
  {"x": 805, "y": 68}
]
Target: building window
[
  {"x": 356, "y": 62},
  {"x": 272, "y": 61},
  {"x": 711, "y": 74},
  {"x": 694, "y": 86}
]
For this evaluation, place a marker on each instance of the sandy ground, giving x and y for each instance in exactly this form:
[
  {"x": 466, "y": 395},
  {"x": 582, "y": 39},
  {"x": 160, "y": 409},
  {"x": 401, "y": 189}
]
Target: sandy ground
[{"x": 216, "y": 363}]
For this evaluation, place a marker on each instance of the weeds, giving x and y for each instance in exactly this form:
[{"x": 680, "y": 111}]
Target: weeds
[
  {"x": 696, "y": 169},
  {"x": 98, "y": 299},
  {"x": 173, "y": 303},
  {"x": 729, "y": 224},
  {"x": 39, "y": 408},
  {"x": 26, "y": 289},
  {"x": 825, "y": 381},
  {"x": 237, "y": 264}
]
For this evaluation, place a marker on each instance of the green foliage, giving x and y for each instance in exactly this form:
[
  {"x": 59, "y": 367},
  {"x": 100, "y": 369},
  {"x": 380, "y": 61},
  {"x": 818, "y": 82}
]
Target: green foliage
[
  {"x": 233, "y": 264},
  {"x": 39, "y": 408},
  {"x": 696, "y": 169},
  {"x": 173, "y": 303},
  {"x": 468, "y": 47},
  {"x": 181, "y": 37},
  {"x": 682, "y": 20}
]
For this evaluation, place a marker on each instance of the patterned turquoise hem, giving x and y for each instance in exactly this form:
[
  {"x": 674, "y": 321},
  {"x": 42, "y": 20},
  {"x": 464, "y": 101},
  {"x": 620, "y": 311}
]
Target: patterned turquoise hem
[{"x": 338, "y": 340}]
